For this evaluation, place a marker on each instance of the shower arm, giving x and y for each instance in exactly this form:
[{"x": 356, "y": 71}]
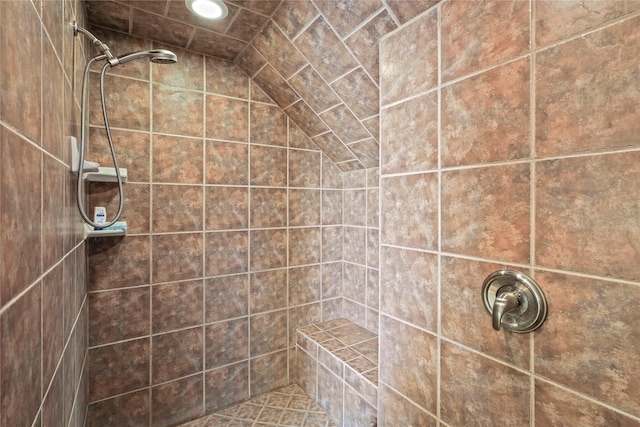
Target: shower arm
[{"x": 102, "y": 47}]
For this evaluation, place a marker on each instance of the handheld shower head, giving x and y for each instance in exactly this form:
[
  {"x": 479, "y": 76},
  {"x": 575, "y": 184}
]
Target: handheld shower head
[{"x": 158, "y": 56}]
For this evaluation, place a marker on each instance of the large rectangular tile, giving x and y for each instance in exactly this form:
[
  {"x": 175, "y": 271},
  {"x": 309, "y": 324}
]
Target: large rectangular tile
[
  {"x": 226, "y": 386},
  {"x": 268, "y": 332},
  {"x": 177, "y": 401},
  {"x": 485, "y": 212},
  {"x": 593, "y": 322},
  {"x": 226, "y": 343},
  {"x": 324, "y": 50},
  {"x": 269, "y": 372},
  {"x": 20, "y": 356},
  {"x": 119, "y": 314},
  {"x": 275, "y": 86},
  {"x": 20, "y": 209},
  {"x": 478, "y": 34},
  {"x": 413, "y": 370},
  {"x": 134, "y": 114},
  {"x": 409, "y": 211},
  {"x": 177, "y": 208},
  {"x": 125, "y": 410},
  {"x": 485, "y": 118},
  {"x": 315, "y": 91},
  {"x": 170, "y": 264},
  {"x": 556, "y": 20},
  {"x": 225, "y": 78},
  {"x": 176, "y": 305},
  {"x": 21, "y": 77},
  {"x": 278, "y": 50},
  {"x": 226, "y": 297},
  {"x": 268, "y": 125},
  {"x": 330, "y": 394},
  {"x": 414, "y": 68},
  {"x": 575, "y": 85},
  {"x": 477, "y": 391},
  {"x": 227, "y": 252},
  {"x": 268, "y": 290},
  {"x": 119, "y": 368},
  {"x": 176, "y": 159},
  {"x": 227, "y": 119},
  {"x": 177, "y": 354},
  {"x": 395, "y": 410},
  {"x": 412, "y": 146},
  {"x": 586, "y": 215},
  {"x": 292, "y": 16},
  {"x": 118, "y": 264},
  {"x": 556, "y": 406},
  {"x": 364, "y": 43},
  {"x": 226, "y": 208},
  {"x": 465, "y": 318},
  {"x": 359, "y": 93},
  {"x": 409, "y": 286}
]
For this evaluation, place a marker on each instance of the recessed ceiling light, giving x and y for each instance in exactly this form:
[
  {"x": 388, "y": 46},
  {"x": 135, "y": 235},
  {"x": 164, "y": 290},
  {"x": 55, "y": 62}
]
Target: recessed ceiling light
[{"x": 210, "y": 9}]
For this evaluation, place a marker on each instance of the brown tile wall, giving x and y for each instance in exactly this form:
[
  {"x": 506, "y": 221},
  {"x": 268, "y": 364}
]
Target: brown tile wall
[
  {"x": 509, "y": 139},
  {"x": 319, "y": 62},
  {"x": 43, "y": 304},
  {"x": 235, "y": 240},
  {"x": 317, "y": 59}
]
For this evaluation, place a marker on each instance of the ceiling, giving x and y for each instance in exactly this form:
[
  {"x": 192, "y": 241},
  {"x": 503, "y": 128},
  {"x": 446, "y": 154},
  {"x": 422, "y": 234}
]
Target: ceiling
[{"x": 317, "y": 59}]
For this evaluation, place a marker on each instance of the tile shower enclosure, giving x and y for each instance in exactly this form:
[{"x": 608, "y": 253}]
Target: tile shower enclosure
[{"x": 508, "y": 137}]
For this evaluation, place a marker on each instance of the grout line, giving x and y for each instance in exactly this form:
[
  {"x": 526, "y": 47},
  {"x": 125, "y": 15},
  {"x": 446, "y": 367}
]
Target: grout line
[
  {"x": 614, "y": 151},
  {"x": 306, "y": 27},
  {"x": 249, "y": 280},
  {"x": 204, "y": 236},
  {"x": 152, "y": 186},
  {"x": 287, "y": 262},
  {"x": 438, "y": 9},
  {"x": 585, "y": 397},
  {"x": 392, "y": 14},
  {"x": 365, "y": 22},
  {"x": 41, "y": 281},
  {"x": 532, "y": 195}
]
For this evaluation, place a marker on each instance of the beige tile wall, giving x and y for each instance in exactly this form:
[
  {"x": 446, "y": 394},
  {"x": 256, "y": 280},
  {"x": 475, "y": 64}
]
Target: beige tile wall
[
  {"x": 509, "y": 138},
  {"x": 43, "y": 309},
  {"x": 235, "y": 239},
  {"x": 360, "y": 283}
]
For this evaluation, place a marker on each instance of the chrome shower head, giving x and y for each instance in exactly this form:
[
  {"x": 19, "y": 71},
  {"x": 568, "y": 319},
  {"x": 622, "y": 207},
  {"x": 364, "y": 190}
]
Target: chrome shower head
[
  {"x": 158, "y": 56},
  {"x": 163, "y": 56}
]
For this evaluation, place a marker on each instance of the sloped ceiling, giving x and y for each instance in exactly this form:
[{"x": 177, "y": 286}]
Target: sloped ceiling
[{"x": 317, "y": 59}]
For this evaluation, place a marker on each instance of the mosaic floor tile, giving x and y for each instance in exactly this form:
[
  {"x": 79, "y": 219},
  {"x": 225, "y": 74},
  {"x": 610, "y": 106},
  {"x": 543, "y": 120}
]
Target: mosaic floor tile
[{"x": 286, "y": 407}]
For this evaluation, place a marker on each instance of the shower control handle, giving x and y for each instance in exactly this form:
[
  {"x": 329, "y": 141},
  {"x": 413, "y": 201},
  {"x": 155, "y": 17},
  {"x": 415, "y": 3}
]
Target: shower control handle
[
  {"x": 504, "y": 303},
  {"x": 514, "y": 301}
]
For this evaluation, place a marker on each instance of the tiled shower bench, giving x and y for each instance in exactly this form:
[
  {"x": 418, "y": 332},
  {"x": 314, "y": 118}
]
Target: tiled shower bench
[{"x": 338, "y": 366}]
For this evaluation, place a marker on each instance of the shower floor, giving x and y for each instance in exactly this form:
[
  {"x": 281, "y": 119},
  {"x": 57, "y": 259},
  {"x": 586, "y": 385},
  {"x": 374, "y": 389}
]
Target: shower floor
[{"x": 288, "y": 406}]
